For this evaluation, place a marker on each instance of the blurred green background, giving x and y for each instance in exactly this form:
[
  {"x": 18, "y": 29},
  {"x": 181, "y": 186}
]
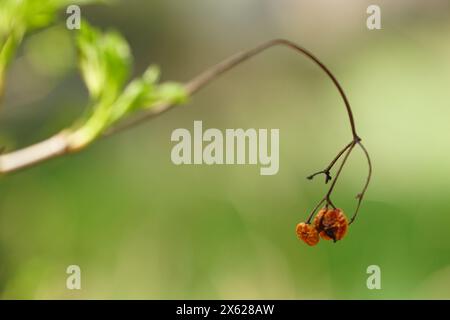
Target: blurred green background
[{"x": 140, "y": 227}]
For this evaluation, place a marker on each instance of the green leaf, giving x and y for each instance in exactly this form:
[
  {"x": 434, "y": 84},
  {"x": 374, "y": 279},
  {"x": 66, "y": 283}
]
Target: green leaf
[
  {"x": 172, "y": 93},
  {"x": 145, "y": 93},
  {"x": 20, "y": 16},
  {"x": 141, "y": 94},
  {"x": 152, "y": 74},
  {"x": 105, "y": 62},
  {"x": 17, "y": 17}
]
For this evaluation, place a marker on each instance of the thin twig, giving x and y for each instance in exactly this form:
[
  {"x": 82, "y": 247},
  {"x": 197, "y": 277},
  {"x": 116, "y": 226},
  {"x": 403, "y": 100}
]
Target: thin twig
[
  {"x": 333, "y": 184},
  {"x": 59, "y": 144},
  {"x": 327, "y": 170},
  {"x": 205, "y": 78},
  {"x": 308, "y": 221},
  {"x": 360, "y": 196},
  {"x": 327, "y": 196}
]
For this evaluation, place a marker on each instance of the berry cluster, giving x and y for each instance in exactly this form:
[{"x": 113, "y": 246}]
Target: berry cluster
[{"x": 329, "y": 224}]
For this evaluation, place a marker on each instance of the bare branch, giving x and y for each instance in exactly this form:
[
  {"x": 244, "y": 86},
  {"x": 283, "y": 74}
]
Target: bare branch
[
  {"x": 59, "y": 144},
  {"x": 55, "y": 146}
]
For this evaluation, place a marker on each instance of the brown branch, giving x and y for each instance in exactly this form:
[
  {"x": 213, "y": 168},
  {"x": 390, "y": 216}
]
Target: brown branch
[
  {"x": 360, "y": 196},
  {"x": 214, "y": 72},
  {"x": 52, "y": 147},
  {"x": 59, "y": 144}
]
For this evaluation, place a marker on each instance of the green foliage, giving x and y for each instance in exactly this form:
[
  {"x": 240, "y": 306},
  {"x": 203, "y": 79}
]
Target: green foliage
[
  {"x": 20, "y": 16},
  {"x": 17, "y": 17},
  {"x": 105, "y": 63}
]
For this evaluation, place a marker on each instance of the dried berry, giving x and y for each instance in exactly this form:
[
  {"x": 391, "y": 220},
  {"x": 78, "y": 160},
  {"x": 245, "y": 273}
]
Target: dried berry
[
  {"x": 331, "y": 224},
  {"x": 307, "y": 233}
]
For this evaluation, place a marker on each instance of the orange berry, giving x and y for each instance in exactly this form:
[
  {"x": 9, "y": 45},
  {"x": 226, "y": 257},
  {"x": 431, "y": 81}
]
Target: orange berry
[
  {"x": 307, "y": 233},
  {"x": 331, "y": 224}
]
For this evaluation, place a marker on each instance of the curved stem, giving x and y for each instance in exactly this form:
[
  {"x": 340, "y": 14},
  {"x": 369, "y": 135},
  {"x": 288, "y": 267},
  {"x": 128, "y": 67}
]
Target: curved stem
[
  {"x": 360, "y": 196},
  {"x": 59, "y": 144},
  {"x": 48, "y": 149},
  {"x": 214, "y": 72},
  {"x": 308, "y": 221}
]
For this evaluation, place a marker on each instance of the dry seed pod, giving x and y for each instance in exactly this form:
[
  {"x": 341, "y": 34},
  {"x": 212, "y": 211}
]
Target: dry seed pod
[
  {"x": 331, "y": 224},
  {"x": 307, "y": 233}
]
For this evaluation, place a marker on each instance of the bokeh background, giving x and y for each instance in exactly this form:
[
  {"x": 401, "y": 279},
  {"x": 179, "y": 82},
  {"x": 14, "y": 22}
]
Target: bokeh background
[{"x": 142, "y": 228}]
